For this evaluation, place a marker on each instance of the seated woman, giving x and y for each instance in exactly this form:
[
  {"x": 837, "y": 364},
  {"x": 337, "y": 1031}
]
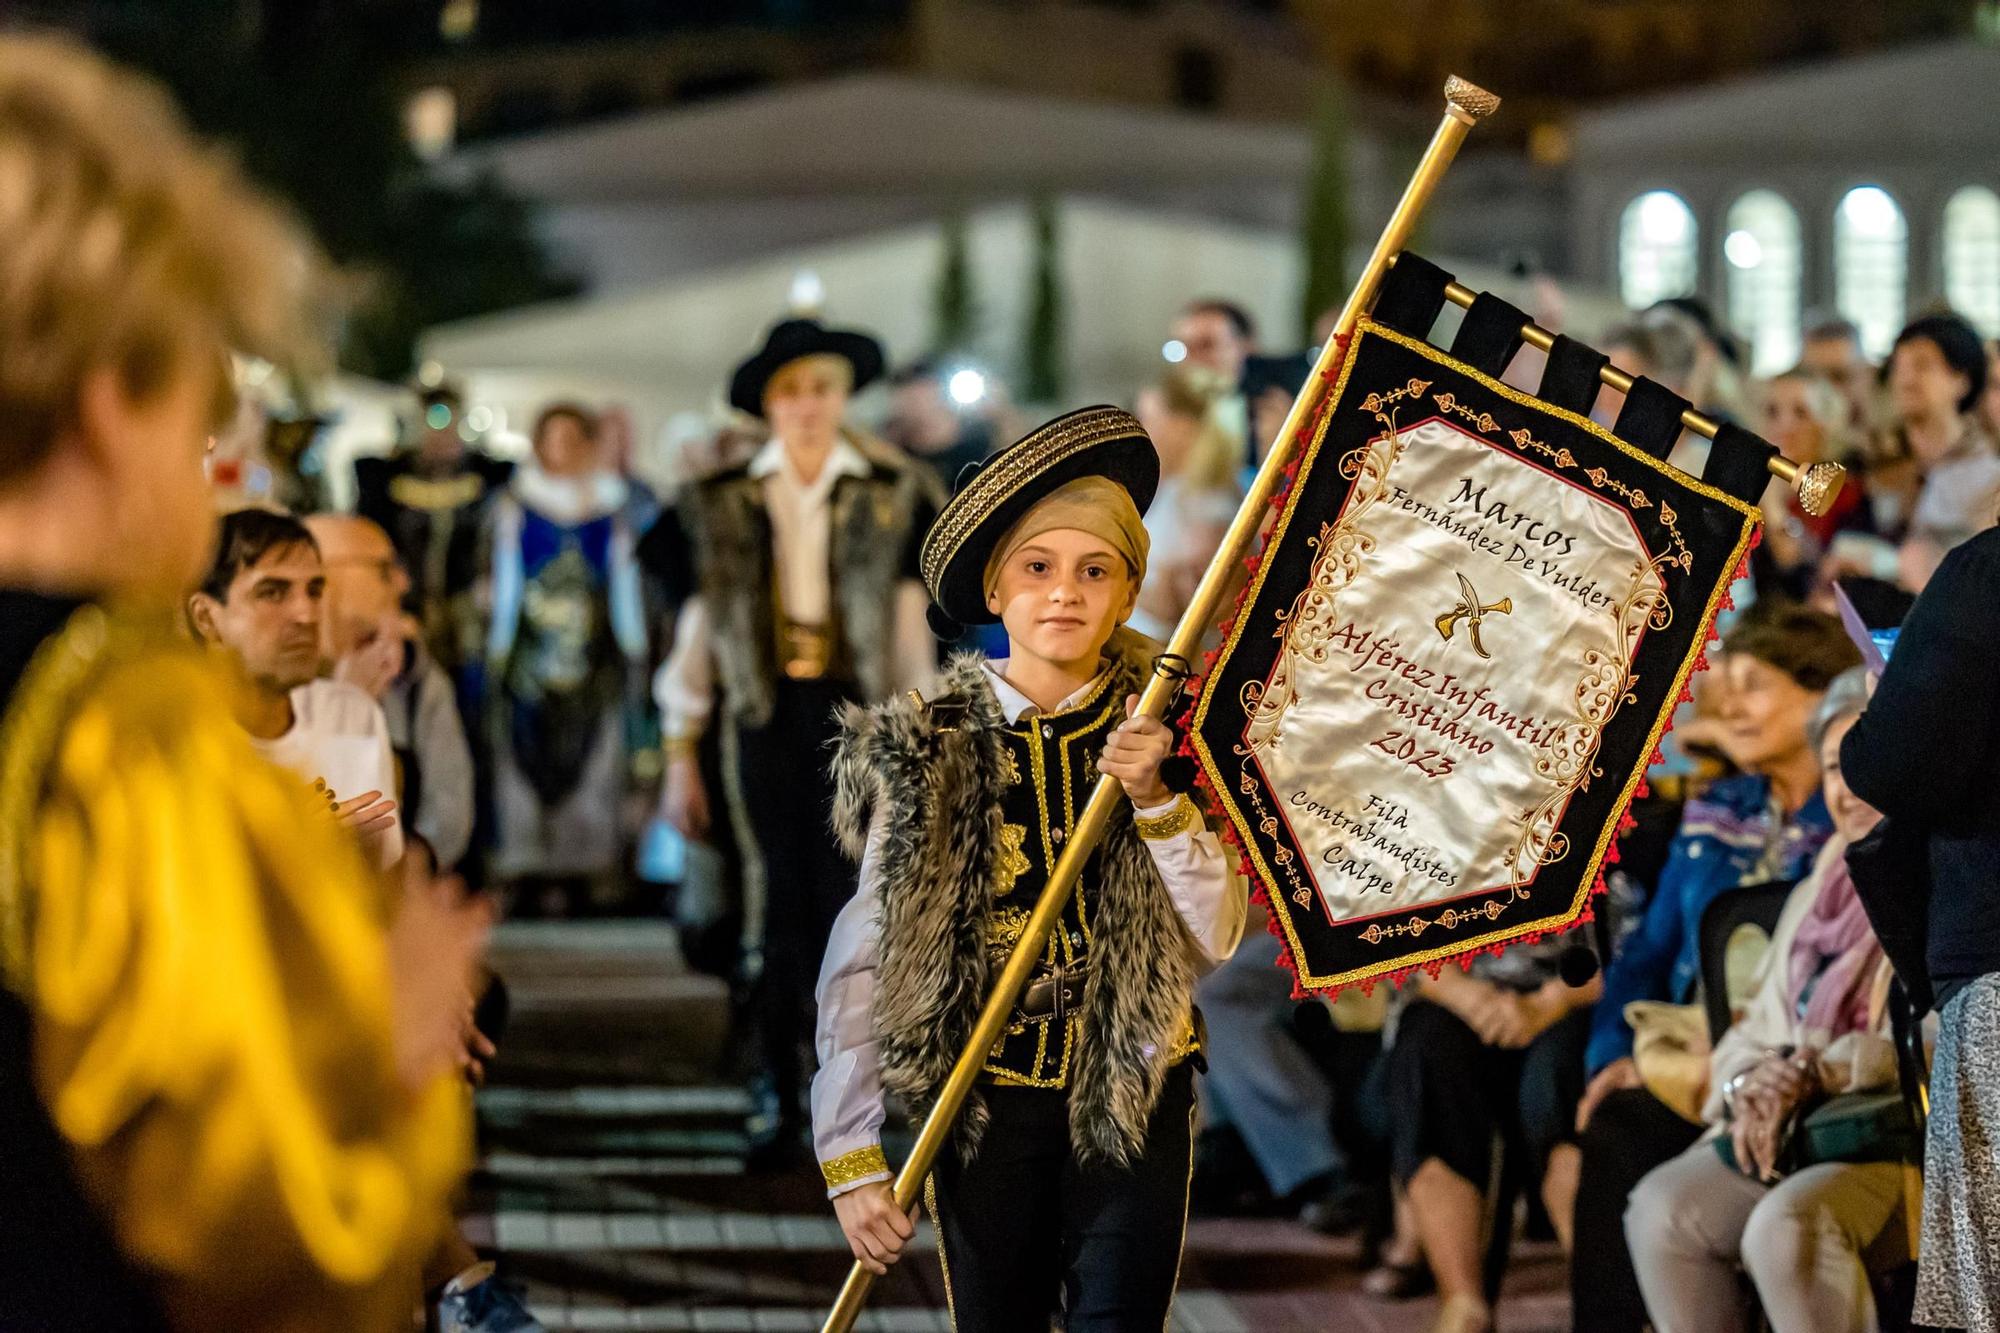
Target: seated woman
[
  {"x": 1767, "y": 824},
  {"x": 1695, "y": 1222},
  {"x": 1810, "y": 421},
  {"x": 1494, "y": 1052}
]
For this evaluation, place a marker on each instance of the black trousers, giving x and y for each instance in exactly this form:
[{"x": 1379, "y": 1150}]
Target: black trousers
[
  {"x": 1026, "y": 1231},
  {"x": 1453, "y": 1094},
  {"x": 1630, "y": 1133},
  {"x": 787, "y": 798}
]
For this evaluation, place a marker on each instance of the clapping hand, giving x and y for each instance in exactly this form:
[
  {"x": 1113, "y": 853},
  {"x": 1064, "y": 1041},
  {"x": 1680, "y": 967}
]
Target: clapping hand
[{"x": 368, "y": 816}]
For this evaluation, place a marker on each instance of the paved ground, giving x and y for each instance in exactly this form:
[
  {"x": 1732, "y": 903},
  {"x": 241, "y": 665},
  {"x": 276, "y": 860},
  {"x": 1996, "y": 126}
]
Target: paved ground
[{"x": 613, "y": 1188}]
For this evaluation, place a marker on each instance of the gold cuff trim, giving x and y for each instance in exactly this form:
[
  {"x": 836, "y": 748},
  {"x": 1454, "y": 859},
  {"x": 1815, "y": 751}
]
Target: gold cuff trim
[
  {"x": 682, "y": 747},
  {"x": 1172, "y": 824},
  {"x": 850, "y": 1167}
]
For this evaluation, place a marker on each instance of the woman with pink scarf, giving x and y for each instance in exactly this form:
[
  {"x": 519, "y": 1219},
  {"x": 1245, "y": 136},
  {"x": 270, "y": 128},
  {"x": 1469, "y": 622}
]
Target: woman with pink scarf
[{"x": 1815, "y": 1026}]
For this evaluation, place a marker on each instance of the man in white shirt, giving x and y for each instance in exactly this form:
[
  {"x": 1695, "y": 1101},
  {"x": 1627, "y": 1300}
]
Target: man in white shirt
[
  {"x": 261, "y": 605},
  {"x": 796, "y": 578}
]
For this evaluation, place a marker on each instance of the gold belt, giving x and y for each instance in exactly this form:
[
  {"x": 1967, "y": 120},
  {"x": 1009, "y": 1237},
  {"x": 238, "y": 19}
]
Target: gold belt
[{"x": 805, "y": 652}]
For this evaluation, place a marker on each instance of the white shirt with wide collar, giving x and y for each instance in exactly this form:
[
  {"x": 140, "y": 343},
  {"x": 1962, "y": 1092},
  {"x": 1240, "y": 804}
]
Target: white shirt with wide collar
[
  {"x": 1015, "y": 705},
  {"x": 802, "y": 524}
]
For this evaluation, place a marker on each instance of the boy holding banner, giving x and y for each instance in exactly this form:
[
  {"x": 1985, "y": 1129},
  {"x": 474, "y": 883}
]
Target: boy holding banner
[{"x": 1065, "y": 1183}]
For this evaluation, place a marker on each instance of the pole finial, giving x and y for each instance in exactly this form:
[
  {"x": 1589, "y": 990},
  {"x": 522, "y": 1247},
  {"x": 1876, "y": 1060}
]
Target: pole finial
[
  {"x": 1819, "y": 486},
  {"x": 1469, "y": 99}
]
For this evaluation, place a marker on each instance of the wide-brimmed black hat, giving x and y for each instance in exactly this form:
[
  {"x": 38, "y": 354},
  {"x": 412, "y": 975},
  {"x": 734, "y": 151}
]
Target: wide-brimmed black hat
[
  {"x": 796, "y": 338},
  {"x": 1094, "y": 442}
]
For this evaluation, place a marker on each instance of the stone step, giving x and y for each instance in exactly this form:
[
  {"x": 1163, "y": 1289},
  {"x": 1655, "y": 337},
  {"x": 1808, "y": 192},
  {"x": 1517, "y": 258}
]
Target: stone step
[
  {"x": 520, "y": 1166},
  {"x": 1194, "y": 1312},
  {"x": 735, "y": 1319},
  {"x": 711, "y": 1101},
  {"x": 680, "y": 1231}
]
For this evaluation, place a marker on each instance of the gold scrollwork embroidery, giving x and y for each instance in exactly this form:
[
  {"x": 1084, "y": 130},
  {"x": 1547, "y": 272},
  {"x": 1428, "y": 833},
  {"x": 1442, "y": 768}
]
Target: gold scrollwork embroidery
[
  {"x": 1003, "y": 929},
  {"x": 852, "y": 1166},
  {"x": 1305, "y": 628},
  {"x": 1450, "y": 918},
  {"x": 1634, "y": 497},
  {"x": 1012, "y": 863},
  {"x": 1569, "y": 760},
  {"x": 1172, "y": 824}
]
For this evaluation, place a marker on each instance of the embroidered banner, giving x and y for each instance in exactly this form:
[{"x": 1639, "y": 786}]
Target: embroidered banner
[{"x": 1473, "y": 618}]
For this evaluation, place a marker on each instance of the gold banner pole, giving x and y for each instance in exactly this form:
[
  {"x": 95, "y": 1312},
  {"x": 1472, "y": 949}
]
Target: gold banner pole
[{"x": 1465, "y": 106}]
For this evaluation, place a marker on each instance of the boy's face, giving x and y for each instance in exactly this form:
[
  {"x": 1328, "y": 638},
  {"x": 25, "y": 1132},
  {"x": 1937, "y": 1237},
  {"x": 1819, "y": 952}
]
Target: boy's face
[
  {"x": 1060, "y": 596},
  {"x": 807, "y": 398}
]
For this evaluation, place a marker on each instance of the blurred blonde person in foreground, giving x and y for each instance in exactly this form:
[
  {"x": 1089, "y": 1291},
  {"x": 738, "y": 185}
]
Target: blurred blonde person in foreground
[{"x": 225, "y": 1078}]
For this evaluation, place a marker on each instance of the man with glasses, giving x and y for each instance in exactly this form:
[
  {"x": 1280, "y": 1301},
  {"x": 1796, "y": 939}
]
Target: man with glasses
[{"x": 367, "y": 640}]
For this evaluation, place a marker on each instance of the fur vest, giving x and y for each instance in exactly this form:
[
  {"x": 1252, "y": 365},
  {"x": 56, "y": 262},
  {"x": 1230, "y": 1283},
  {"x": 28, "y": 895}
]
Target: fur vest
[
  {"x": 876, "y": 525},
  {"x": 937, "y": 791}
]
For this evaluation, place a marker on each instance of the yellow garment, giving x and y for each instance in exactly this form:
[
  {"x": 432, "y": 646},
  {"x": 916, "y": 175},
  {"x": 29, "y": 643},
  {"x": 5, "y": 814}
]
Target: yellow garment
[
  {"x": 205, "y": 956},
  {"x": 1096, "y": 505}
]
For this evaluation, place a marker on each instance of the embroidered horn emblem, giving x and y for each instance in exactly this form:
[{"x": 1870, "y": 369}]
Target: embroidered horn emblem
[{"x": 1471, "y": 610}]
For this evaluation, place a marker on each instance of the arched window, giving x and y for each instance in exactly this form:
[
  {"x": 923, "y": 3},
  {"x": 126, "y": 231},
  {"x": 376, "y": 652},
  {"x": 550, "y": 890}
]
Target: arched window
[
  {"x": 1871, "y": 244},
  {"x": 1972, "y": 257},
  {"x": 1656, "y": 249},
  {"x": 1761, "y": 250}
]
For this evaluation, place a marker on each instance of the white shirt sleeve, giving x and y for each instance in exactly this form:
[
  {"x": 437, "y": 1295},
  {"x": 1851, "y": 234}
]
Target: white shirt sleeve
[
  {"x": 1211, "y": 898},
  {"x": 847, "y": 1106},
  {"x": 685, "y": 685},
  {"x": 915, "y": 648}
]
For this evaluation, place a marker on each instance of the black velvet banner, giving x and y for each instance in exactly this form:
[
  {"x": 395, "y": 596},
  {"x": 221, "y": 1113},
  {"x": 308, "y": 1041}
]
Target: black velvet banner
[{"x": 1453, "y": 664}]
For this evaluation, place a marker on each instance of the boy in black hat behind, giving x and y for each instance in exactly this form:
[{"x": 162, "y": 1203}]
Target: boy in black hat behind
[
  {"x": 1065, "y": 1183},
  {"x": 797, "y": 582}
]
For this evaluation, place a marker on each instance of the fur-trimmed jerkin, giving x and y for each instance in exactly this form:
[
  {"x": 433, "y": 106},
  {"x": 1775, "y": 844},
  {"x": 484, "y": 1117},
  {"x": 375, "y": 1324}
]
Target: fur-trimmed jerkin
[{"x": 942, "y": 785}]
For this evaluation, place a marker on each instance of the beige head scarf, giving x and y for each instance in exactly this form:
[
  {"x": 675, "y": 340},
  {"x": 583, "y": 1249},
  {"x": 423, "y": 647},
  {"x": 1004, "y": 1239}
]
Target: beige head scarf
[{"x": 1096, "y": 505}]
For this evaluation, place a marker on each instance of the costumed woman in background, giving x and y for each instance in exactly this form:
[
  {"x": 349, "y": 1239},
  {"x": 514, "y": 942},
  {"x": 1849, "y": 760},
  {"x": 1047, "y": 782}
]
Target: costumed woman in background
[
  {"x": 1064, "y": 1185},
  {"x": 565, "y": 656}
]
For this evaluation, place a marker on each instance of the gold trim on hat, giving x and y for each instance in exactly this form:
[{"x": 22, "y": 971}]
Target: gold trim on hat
[{"x": 1013, "y": 469}]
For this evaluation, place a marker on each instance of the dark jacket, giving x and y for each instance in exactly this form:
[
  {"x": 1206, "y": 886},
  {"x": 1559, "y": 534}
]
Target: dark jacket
[{"x": 1926, "y": 753}]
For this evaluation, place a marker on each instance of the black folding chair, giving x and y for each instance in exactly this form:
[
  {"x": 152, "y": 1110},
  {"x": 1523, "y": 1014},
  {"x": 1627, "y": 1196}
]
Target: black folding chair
[{"x": 1757, "y": 905}]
